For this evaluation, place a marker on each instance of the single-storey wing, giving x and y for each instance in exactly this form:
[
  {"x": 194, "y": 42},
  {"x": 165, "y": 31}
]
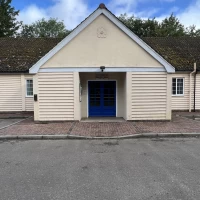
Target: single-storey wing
[{"x": 101, "y": 69}]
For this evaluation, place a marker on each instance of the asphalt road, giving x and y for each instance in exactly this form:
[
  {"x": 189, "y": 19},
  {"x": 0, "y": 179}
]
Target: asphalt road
[{"x": 106, "y": 170}]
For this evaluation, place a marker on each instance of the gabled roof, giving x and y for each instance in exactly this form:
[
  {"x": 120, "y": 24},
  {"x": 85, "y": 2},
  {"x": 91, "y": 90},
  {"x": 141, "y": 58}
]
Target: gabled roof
[
  {"x": 181, "y": 52},
  {"x": 101, "y": 10},
  {"x": 17, "y": 55}
]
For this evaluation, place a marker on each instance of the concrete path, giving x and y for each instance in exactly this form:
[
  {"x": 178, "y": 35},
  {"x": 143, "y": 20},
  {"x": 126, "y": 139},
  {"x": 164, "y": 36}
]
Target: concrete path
[
  {"x": 115, "y": 170},
  {"x": 7, "y": 122}
]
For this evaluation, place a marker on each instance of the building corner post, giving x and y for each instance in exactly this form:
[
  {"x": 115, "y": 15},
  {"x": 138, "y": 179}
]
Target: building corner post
[
  {"x": 128, "y": 95},
  {"x": 169, "y": 97},
  {"x": 35, "y": 92},
  {"x": 190, "y": 96},
  {"x": 77, "y": 104}
]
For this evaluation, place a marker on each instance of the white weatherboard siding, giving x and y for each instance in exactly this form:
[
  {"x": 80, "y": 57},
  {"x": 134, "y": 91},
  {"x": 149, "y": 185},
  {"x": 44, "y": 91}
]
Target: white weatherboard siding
[
  {"x": 13, "y": 93},
  {"x": 55, "y": 96},
  {"x": 182, "y": 102},
  {"x": 29, "y": 104},
  {"x": 148, "y": 96},
  {"x": 197, "y": 92},
  {"x": 10, "y": 93}
]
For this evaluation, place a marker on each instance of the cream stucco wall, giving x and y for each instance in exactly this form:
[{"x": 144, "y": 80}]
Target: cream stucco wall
[
  {"x": 13, "y": 93},
  {"x": 115, "y": 50},
  {"x": 121, "y": 89}
]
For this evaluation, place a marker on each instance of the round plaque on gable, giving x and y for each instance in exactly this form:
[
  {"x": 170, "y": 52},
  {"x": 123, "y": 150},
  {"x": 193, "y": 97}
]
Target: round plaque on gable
[{"x": 101, "y": 32}]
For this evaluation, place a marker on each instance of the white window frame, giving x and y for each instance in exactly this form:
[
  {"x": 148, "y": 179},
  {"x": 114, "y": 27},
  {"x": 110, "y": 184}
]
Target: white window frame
[
  {"x": 176, "y": 86},
  {"x": 28, "y": 79}
]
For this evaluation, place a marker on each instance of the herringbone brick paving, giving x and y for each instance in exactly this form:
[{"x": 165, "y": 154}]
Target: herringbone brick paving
[{"x": 179, "y": 124}]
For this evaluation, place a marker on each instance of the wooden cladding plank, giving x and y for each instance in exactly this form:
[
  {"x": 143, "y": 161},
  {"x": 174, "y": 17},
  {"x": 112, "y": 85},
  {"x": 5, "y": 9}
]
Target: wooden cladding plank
[
  {"x": 134, "y": 89},
  {"x": 149, "y": 117},
  {"x": 57, "y": 92},
  {"x": 149, "y": 82},
  {"x": 10, "y": 93},
  {"x": 144, "y": 103},
  {"x": 56, "y": 96},
  {"x": 148, "y": 99},
  {"x": 58, "y": 118},
  {"x": 182, "y": 102},
  {"x": 148, "y": 107},
  {"x": 149, "y": 96},
  {"x": 29, "y": 104},
  {"x": 64, "y": 82},
  {"x": 198, "y": 92},
  {"x": 60, "y": 86},
  {"x": 55, "y": 89}
]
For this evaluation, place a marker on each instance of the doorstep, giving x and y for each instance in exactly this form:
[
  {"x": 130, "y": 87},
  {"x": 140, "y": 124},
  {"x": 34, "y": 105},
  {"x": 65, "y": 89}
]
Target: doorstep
[{"x": 103, "y": 119}]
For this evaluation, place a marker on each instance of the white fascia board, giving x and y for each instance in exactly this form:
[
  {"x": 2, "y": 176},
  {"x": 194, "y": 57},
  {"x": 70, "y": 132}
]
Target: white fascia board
[
  {"x": 97, "y": 69},
  {"x": 141, "y": 43},
  {"x": 35, "y": 68}
]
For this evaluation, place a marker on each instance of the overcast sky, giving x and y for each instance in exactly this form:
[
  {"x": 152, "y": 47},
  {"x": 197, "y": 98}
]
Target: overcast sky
[{"x": 72, "y": 12}]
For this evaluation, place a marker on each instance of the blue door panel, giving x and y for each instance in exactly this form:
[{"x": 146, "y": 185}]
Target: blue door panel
[{"x": 102, "y": 98}]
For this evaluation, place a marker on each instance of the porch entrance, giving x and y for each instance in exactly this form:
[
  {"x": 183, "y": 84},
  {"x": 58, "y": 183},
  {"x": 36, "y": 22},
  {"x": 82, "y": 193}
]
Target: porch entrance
[{"x": 102, "y": 98}]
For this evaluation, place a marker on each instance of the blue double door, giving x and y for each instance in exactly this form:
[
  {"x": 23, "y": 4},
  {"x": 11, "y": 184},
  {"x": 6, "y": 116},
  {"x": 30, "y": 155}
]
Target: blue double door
[{"x": 102, "y": 98}]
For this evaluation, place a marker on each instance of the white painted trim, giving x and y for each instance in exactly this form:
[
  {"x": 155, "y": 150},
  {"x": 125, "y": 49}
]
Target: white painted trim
[
  {"x": 35, "y": 68},
  {"x": 178, "y": 95},
  {"x": 107, "y": 69},
  {"x": 116, "y": 94},
  {"x": 28, "y": 96}
]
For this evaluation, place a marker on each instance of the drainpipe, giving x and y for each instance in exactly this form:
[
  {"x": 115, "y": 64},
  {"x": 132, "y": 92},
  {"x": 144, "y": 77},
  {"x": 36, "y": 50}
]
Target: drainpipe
[
  {"x": 190, "y": 102},
  {"x": 195, "y": 78}
]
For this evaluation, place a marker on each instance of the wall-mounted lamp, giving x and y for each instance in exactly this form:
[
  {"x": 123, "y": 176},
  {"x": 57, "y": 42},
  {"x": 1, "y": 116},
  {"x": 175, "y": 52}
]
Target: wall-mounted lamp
[{"x": 102, "y": 68}]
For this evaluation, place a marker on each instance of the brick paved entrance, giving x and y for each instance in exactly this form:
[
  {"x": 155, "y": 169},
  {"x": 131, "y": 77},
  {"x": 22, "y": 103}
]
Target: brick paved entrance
[{"x": 179, "y": 124}]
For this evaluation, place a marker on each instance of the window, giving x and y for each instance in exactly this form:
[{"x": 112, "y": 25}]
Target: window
[
  {"x": 29, "y": 88},
  {"x": 177, "y": 86}
]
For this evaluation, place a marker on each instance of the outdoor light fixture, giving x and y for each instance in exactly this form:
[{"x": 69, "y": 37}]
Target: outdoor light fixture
[{"x": 102, "y": 68}]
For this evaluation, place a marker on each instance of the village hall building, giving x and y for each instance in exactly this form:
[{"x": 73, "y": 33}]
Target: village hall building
[{"x": 101, "y": 69}]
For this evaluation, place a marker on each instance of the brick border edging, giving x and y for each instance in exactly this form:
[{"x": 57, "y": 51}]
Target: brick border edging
[{"x": 76, "y": 137}]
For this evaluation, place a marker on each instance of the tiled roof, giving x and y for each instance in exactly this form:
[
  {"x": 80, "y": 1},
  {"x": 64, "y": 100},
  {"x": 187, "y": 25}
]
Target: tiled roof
[
  {"x": 180, "y": 52},
  {"x": 17, "y": 55}
]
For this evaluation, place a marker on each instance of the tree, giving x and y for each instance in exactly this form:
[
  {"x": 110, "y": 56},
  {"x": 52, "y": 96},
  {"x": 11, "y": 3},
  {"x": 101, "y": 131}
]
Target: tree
[
  {"x": 171, "y": 26},
  {"x": 45, "y": 29},
  {"x": 8, "y": 23},
  {"x": 142, "y": 28},
  {"x": 192, "y": 31}
]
